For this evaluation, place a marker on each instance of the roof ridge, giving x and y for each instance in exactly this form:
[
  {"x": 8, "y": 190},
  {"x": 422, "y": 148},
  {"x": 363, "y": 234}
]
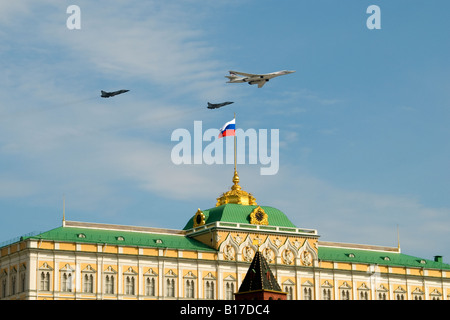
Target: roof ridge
[
  {"x": 355, "y": 246},
  {"x": 105, "y": 226}
]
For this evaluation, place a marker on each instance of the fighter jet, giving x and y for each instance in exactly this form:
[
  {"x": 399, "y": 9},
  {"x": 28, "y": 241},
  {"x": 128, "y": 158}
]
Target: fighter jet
[
  {"x": 259, "y": 79},
  {"x": 111, "y": 94},
  {"x": 218, "y": 105}
]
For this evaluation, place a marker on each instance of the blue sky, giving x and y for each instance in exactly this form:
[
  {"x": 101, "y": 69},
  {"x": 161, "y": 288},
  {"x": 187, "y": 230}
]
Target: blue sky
[{"x": 364, "y": 134}]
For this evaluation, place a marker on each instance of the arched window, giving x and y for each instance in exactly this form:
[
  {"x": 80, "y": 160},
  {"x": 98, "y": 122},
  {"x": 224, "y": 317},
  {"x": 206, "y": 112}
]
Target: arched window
[
  {"x": 307, "y": 294},
  {"x": 289, "y": 290},
  {"x": 13, "y": 284},
  {"x": 345, "y": 294},
  {"x": 23, "y": 282},
  {"x": 66, "y": 282},
  {"x": 45, "y": 281},
  {"x": 88, "y": 283},
  {"x": 109, "y": 284},
  {"x": 209, "y": 289},
  {"x": 129, "y": 285},
  {"x": 326, "y": 294},
  {"x": 189, "y": 288},
  {"x": 150, "y": 286},
  {"x": 170, "y": 288},
  {"x": 382, "y": 296},
  {"x": 229, "y": 290}
]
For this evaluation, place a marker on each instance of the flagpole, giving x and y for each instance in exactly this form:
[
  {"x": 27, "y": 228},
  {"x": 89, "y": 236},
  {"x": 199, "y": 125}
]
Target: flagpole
[{"x": 235, "y": 142}]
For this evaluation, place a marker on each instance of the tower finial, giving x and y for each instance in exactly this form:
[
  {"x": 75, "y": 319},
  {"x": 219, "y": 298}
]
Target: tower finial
[{"x": 236, "y": 194}]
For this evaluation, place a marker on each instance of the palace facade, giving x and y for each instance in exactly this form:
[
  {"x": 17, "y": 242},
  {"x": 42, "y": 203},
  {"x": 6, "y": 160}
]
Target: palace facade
[{"x": 209, "y": 258}]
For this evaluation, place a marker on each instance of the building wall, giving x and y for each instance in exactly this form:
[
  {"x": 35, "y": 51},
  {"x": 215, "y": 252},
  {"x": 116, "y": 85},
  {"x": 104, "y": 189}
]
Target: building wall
[{"x": 204, "y": 275}]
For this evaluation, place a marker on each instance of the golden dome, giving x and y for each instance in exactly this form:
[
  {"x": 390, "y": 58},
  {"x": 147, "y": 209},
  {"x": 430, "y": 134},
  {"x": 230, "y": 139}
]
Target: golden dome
[{"x": 236, "y": 195}]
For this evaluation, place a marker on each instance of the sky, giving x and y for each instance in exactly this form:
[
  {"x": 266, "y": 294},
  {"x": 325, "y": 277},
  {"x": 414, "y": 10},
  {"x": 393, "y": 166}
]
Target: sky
[{"x": 363, "y": 123}]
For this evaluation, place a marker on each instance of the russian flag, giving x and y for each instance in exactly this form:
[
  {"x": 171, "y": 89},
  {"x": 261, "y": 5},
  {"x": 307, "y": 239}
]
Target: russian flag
[{"x": 229, "y": 129}]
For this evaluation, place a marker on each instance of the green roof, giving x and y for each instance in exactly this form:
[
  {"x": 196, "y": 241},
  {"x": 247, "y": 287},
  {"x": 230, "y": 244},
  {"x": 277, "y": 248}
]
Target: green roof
[
  {"x": 124, "y": 238},
  {"x": 378, "y": 257},
  {"x": 238, "y": 213}
]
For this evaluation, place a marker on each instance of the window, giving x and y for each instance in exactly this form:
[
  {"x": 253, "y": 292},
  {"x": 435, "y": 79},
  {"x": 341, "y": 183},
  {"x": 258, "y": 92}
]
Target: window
[
  {"x": 109, "y": 284},
  {"x": 326, "y": 294},
  {"x": 435, "y": 295},
  {"x": 23, "y": 278},
  {"x": 189, "y": 288},
  {"x": 44, "y": 277},
  {"x": 326, "y": 290},
  {"x": 209, "y": 284},
  {"x": 23, "y": 282},
  {"x": 345, "y": 294},
  {"x": 109, "y": 279},
  {"x": 13, "y": 284},
  {"x": 363, "y": 292},
  {"x": 170, "y": 284},
  {"x": 4, "y": 282},
  {"x": 382, "y": 293},
  {"x": 345, "y": 291},
  {"x": 170, "y": 288},
  {"x": 130, "y": 285},
  {"x": 399, "y": 293},
  {"x": 307, "y": 294},
  {"x": 66, "y": 282},
  {"x": 88, "y": 283},
  {"x": 289, "y": 290},
  {"x": 229, "y": 290},
  {"x": 209, "y": 289},
  {"x": 150, "y": 286},
  {"x": 87, "y": 276},
  {"x": 45, "y": 281}
]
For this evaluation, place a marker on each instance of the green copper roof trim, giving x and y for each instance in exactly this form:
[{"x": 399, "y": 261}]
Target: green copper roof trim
[
  {"x": 393, "y": 259},
  {"x": 123, "y": 238},
  {"x": 238, "y": 213}
]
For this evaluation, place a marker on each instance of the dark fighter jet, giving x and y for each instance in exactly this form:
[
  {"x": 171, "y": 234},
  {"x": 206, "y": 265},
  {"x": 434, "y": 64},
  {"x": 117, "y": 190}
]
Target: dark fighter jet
[
  {"x": 218, "y": 105},
  {"x": 111, "y": 94}
]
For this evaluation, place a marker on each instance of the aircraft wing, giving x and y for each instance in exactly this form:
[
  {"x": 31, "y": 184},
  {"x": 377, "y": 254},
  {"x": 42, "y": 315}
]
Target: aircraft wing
[
  {"x": 261, "y": 83},
  {"x": 246, "y": 74}
]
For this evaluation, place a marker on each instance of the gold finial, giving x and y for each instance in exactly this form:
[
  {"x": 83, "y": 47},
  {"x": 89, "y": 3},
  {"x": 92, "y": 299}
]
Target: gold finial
[
  {"x": 236, "y": 194},
  {"x": 236, "y": 185}
]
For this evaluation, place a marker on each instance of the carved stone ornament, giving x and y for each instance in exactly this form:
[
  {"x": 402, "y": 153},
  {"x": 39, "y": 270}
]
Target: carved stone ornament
[
  {"x": 306, "y": 258},
  {"x": 228, "y": 252},
  {"x": 199, "y": 218},
  {"x": 258, "y": 216},
  {"x": 248, "y": 253},
  {"x": 288, "y": 256},
  {"x": 268, "y": 254}
]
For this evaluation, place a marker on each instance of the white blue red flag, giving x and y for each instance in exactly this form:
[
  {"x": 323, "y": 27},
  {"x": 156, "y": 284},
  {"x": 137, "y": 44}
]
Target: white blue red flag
[{"x": 229, "y": 129}]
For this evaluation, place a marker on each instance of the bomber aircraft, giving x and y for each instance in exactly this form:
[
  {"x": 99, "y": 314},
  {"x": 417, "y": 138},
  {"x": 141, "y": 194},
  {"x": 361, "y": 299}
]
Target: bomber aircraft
[{"x": 250, "y": 78}]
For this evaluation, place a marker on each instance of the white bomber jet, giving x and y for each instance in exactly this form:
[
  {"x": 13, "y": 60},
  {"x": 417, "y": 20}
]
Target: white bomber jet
[{"x": 260, "y": 79}]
